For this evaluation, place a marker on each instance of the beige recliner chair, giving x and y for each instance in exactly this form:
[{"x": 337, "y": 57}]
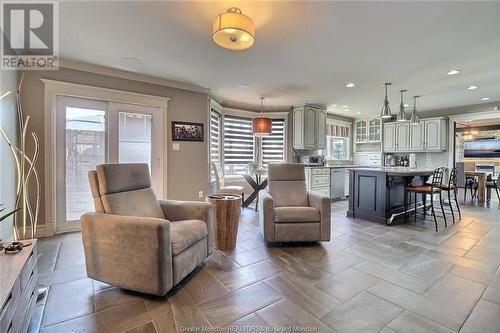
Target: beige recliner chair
[
  {"x": 133, "y": 241},
  {"x": 287, "y": 212}
]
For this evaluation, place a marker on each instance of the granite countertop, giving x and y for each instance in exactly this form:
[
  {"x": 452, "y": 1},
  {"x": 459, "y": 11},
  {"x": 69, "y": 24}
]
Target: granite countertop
[
  {"x": 399, "y": 170},
  {"x": 338, "y": 166}
]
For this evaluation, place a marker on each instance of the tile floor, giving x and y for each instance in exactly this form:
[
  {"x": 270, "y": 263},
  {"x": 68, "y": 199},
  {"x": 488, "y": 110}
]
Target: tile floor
[{"x": 368, "y": 278}]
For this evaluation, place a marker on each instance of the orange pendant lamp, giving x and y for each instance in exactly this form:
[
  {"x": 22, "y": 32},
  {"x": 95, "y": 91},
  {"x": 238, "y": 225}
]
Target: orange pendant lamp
[{"x": 262, "y": 126}]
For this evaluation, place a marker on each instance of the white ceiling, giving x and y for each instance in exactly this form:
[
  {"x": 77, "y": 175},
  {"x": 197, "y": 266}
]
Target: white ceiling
[{"x": 305, "y": 52}]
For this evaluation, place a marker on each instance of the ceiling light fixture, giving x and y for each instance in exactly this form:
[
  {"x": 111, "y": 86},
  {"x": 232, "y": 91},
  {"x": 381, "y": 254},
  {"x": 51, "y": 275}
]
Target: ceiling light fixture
[
  {"x": 386, "y": 110},
  {"x": 233, "y": 31},
  {"x": 414, "y": 116},
  {"x": 406, "y": 105},
  {"x": 242, "y": 86},
  {"x": 358, "y": 112},
  {"x": 485, "y": 98},
  {"x": 346, "y": 110},
  {"x": 262, "y": 126},
  {"x": 350, "y": 85},
  {"x": 472, "y": 87},
  {"x": 402, "y": 113},
  {"x": 453, "y": 72}
]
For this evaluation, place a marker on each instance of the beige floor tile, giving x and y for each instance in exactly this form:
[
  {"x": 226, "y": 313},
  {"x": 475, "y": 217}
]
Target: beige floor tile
[
  {"x": 68, "y": 300},
  {"x": 424, "y": 306},
  {"x": 202, "y": 286},
  {"x": 239, "y": 303},
  {"x": 114, "y": 296},
  {"x": 456, "y": 292},
  {"x": 347, "y": 284},
  {"x": 285, "y": 315},
  {"x": 248, "y": 275},
  {"x": 492, "y": 295},
  {"x": 410, "y": 322},
  {"x": 292, "y": 292},
  {"x": 484, "y": 318},
  {"x": 394, "y": 276},
  {"x": 113, "y": 320},
  {"x": 364, "y": 313}
]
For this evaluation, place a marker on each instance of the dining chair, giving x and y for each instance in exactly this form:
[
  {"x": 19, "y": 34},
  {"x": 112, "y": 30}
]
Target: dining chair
[
  {"x": 465, "y": 182},
  {"x": 495, "y": 184},
  {"x": 432, "y": 189},
  {"x": 452, "y": 186},
  {"x": 221, "y": 187}
]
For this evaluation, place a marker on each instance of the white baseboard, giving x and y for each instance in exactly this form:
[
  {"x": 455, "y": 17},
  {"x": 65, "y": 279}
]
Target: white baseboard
[{"x": 43, "y": 230}]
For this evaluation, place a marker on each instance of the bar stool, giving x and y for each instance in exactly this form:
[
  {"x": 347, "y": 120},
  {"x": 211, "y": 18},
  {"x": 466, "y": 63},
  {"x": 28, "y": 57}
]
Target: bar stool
[
  {"x": 433, "y": 188},
  {"x": 452, "y": 186}
]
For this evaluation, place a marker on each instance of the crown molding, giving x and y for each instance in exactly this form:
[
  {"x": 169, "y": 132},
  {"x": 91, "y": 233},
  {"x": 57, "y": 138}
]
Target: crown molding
[{"x": 122, "y": 74}]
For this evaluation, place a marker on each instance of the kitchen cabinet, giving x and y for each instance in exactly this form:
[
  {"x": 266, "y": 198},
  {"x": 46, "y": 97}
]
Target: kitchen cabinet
[
  {"x": 402, "y": 136},
  {"x": 368, "y": 159},
  {"x": 427, "y": 136},
  {"x": 389, "y": 137},
  {"x": 309, "y": 127},
  {"x": 368, "y": 130},
  {"x": 361, "y": 131},
  {"x": 374, "y": 129},
  {"x": 318, "y": 180}
]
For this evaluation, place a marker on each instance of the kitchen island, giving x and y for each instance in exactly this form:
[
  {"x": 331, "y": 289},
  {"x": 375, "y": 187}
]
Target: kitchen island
[{"x": 377, "y": 194}]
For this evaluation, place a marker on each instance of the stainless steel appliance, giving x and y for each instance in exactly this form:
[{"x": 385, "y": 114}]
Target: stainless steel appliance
[
  {"x": 312, "y": 160},
  {"x": 337, "y": 183}
]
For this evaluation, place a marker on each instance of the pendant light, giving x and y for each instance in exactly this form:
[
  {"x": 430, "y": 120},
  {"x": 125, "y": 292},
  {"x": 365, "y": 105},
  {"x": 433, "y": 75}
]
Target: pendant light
[
  {"x": 414, "y": 116},
  {"x": 262, "y": 126},
  {"x": 386, "y": 110},
  {"x": 234, "y": 31},
  {"x": 402, "y": 113}
]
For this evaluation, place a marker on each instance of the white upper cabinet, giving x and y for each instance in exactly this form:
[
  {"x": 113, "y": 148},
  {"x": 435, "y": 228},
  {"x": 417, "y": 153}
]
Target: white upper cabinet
[
  {"x": 417, "y": 137},
  {"x": 389, "y": 137},
  {"x": 429, "y": 135},
  {"x": 435, "y": 134},
  {"x": 374, "y": 129},
  {"x": 361, "y": 131},
  {"x": 309, "y": 127},
  {"x": 402, "y": 136},
  {"x": 368, "y": 130}
]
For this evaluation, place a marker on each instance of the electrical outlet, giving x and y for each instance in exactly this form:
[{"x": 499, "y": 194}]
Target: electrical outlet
[
  {"x": 201, "y": 194},
  {"x": 176, "y": 146}
]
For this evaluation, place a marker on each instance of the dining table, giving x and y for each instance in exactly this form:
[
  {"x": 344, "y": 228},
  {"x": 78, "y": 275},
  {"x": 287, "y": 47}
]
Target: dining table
[
  {"x": 482, "y": 177},
  {"x": 258, "y": 181}
]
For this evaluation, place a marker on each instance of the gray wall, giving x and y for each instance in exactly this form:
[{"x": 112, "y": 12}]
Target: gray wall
[
  {"x": 8, "y": 122},
  {"x": 187, "y": 171}
]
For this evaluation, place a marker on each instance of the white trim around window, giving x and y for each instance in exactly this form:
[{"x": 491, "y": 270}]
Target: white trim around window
[{"x": 54, "y": 88}]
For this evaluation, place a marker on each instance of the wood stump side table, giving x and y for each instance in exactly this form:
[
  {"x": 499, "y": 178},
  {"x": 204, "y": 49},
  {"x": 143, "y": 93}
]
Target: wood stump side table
[{"x": 226, "y": 210}]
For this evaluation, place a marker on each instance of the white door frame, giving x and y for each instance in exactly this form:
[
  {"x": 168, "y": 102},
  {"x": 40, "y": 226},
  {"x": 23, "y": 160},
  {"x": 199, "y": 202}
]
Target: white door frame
[{"x": 53, "y": 88}]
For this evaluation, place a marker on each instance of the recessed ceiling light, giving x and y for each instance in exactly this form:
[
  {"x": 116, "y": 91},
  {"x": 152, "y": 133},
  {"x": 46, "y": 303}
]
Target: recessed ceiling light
[
  {"x": 453, "y": 72},
  {"x": 485, "y": 98},
  {"x": 358, "y": 112},
  {"x": 472, "y": 87},
  {"x": 242, "y": 85},
  {"x": 345, "y": 106},
  {"x": 350, "y": 85},
  {"x": 406, "y": 105}
]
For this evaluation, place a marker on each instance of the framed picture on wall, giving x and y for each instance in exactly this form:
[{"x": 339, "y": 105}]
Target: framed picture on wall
[{"x": 184, "y": 131}]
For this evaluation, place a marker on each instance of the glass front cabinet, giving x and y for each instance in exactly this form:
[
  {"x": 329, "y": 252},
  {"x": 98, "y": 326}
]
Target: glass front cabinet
[
  {"x": 361, "y": 131},
  {"x": 374, "y": 130},
  {"x": 368, "y": 130}
]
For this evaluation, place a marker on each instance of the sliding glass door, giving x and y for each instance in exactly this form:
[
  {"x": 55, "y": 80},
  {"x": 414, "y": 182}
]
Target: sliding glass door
[{"x": 91, "y": 132}]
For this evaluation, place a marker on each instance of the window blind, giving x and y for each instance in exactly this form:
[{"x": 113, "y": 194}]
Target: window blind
[
  {"x": 215, "y": 139},
  {"x": 238, "y": 144},
  {"x": 273, "y": 146}
]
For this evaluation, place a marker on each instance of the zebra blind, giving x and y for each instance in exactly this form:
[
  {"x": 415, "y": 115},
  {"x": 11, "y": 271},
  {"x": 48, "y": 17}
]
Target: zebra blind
[
  {"x": 215, "y": 139},
  {"x": 273, "y": 146},
  {"x": 238, "y": 144}
]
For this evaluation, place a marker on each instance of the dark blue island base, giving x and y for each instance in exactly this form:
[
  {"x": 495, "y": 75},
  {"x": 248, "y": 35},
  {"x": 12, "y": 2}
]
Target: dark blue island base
[{"x": 378, "y": 194}]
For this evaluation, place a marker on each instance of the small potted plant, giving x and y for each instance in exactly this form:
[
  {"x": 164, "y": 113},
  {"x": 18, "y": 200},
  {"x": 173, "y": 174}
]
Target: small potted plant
[{"x": 3, "y": 217}]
